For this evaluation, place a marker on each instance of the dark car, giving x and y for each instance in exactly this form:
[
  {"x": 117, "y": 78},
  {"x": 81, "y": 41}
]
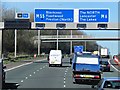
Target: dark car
[
  {"x": 108, "y": 83},
  {"x": 105, "y": 66}
]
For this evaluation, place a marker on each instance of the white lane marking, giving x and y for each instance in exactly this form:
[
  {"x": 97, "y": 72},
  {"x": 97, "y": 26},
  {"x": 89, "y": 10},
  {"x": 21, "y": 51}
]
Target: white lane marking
[
  {"x": 64, "y": 86},
  {"x": 40, "y": 68},
  {"x": 18, "y": 66},
  {"x": 37, "y": 70},
  {"x": 43, "y": 66},
  {"x": 26, "y": 77},
  {"x": 113, "y": 66},
  {"x": 21, "y": 65},
  {"x": 64, "y": 79},
  {"x": 65, "y": 73},
  {"x": 21, "y": 80},
  {"x": 34, "y": 72},
  {"x": 30, "y": 75},
  {"x": 64, "y": 82}
]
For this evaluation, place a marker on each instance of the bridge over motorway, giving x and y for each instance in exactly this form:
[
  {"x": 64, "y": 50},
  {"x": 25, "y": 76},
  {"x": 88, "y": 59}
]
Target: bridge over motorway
[
  {"x": 51, "y": 38},
  {"x": 69, "y": 38}
]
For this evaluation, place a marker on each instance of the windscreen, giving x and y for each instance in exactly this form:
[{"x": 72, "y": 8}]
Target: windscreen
[{"x": 85, "y": 60}]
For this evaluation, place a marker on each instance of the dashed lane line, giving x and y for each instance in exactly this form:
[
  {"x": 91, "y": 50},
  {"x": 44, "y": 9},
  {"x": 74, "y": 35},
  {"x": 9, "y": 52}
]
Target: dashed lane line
[
  {"x": 26, "y": 77},
  {"x": 30, "y": 75},
  {"x": 65, "y": 77},
  {"x": 21, "y": 80}
]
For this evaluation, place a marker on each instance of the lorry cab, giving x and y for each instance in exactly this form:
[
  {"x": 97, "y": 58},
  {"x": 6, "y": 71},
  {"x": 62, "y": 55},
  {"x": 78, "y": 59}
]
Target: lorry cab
[{"x": 55, "y": 57}]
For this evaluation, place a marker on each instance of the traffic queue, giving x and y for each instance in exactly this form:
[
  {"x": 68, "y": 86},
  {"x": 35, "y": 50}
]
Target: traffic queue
[{"x": 88, "y": 68}]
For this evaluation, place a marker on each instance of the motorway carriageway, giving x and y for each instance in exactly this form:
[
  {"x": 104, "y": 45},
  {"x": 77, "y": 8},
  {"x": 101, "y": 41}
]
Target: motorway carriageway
[{"x": 39, "y": 75}]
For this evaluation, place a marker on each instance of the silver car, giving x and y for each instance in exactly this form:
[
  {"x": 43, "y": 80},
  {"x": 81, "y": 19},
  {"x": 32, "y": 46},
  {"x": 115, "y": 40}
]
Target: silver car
[{"x": 108, "y": 83}]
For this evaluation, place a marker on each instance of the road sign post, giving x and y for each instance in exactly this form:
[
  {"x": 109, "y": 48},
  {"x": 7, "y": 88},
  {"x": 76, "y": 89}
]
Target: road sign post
[
  {"x": 57, "y": 39},
  {"x": 15, "y": 42},
  {"x": 71, "y": 44},
  {"x": 38, "y": 42},
  {"x": 19, "y": 16}
]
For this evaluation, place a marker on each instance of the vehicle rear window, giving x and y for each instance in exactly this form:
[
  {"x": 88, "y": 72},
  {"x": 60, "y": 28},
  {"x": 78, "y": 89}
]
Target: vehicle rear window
[
  {"x": 112, "y": 84},
  {"x": 104, "y": 62},
  {"x": 116, "y": 84}
]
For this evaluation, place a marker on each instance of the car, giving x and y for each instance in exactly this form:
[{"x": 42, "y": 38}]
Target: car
[
  {"x": 105, "y": 66},
  {"x": 108, "y": 83}
]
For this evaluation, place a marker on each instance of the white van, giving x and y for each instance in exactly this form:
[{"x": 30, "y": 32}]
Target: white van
[{"x": 55, "y": 57}]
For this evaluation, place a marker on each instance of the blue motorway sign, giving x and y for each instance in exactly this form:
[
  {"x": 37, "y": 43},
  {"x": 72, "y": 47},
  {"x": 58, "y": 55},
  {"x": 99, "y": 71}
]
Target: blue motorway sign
[
  {"x": 78, "y": 49},
  {"x": 25, "y": 15},
  {"x": 93, "y": 15},
  {"x": 54, "y": 15},
  {"x": 22, "y": 15}
]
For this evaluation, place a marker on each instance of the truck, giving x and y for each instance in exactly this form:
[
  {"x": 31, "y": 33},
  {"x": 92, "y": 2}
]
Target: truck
[
  {"x": 86, "y": 69},
  {"x": 55, "y": 58}
]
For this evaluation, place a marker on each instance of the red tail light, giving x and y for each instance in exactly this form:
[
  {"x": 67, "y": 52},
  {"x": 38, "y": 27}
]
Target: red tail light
[
  {"x": 77, "y": 76},
  {"x": 108, "y": 65},
  {"x": 96, "y": 76}
]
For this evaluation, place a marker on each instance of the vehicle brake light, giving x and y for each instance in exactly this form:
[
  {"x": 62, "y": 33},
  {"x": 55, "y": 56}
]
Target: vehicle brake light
[
  {"x": 108, "y": 65},
  {"x": 77, "y": 76},
  {"x": 96, "y": 76}
]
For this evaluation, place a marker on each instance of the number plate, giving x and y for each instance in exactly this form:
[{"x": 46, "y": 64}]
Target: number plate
[{"x": 88, "y": 76}]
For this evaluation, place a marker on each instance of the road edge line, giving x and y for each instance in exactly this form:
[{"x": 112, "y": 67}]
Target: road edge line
[
  {"x": 113, "y": 66},
  {"x": 20, "y": 66}
]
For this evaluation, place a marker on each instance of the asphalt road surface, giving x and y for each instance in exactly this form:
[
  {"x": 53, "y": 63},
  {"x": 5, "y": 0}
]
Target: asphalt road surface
[{"x": 40, "y": 75}]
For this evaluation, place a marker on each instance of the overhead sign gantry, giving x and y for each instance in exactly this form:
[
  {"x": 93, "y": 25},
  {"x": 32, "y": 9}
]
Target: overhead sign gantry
[{"x": 72, "y": 19}]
